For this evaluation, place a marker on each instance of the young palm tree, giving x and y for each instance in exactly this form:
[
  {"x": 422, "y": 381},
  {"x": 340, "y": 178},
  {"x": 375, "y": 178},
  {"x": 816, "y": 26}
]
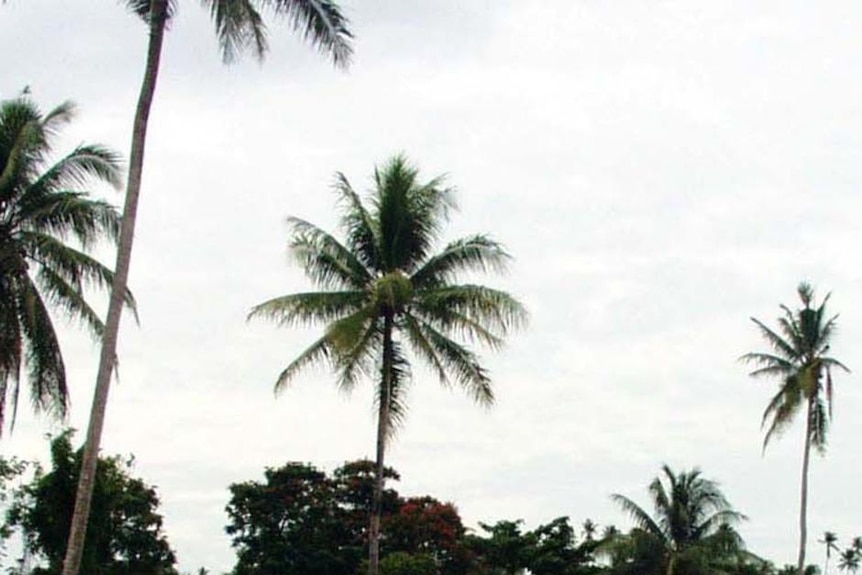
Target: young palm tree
[
  {"x": 799, "y": 359},
  {"x": 692, "y": 526},
  {"x": 384, "y": 290},
  {"x": 42, "y": 205},
  {"x": 239, "y": 27}
]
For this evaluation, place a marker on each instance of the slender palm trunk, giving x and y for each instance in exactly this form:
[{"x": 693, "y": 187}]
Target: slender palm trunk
[
  {"x": 382, "y": 432},
  {"x": 78, "y": 530},
  {"x": 803, "y": 507}
]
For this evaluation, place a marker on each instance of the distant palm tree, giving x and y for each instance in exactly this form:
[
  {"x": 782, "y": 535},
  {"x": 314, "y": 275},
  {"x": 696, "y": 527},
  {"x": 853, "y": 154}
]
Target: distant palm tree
[
  {"x": 384, "y": 289},
  {"x": 830, "y": 541},
  {"x": 849, "y": 560},
  {"x": 42, "y": 206},
  {"x": 239, "y": 27},
  {"x": 799, "y": 359},
  {"x": 690, "y": 530}
]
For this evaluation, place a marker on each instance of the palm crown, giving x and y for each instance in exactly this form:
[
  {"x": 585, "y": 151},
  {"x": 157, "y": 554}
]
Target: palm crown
[
  {"x": 798, "y": 357},
  {"x": 384, "y": 280},
  {"x": 692, "y": 524},
  {"x": 41, "y": 207}
]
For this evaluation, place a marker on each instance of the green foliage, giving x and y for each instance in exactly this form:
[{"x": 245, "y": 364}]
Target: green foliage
[
  {"x": 690, "y": 531},
  {"x": 798, "y": 358},
  {"x": 401, "y": 563},
  {"x": 300, "y": 521},
  {"x": 42, "y": 206},
  {"x": 125, "y": 534},
  {"x": 384, "y": 281}
]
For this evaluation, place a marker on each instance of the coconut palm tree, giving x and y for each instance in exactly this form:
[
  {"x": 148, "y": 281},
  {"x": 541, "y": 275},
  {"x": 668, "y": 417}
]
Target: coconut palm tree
[
  {"x": 830, "y": 541},
  {"x": 43, "y": 204},
  {"x": 798, "y": 358},
  {"x": 849, "y": 560},
  {"x": 239, "y": 27},
  {"x": 384, "y": 290},
  {"x": 691, "y": 530}
]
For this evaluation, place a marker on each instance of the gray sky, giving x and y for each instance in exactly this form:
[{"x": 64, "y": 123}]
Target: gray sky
[{"x": 661, "y": 171}]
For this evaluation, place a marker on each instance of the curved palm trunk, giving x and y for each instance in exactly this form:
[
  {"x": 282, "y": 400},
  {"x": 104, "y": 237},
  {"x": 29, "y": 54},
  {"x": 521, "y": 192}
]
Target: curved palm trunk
[
  {"x": 78, "y": 530},
  {"x": 382, "y": 432},
  {"x": 803, "y": 507}
]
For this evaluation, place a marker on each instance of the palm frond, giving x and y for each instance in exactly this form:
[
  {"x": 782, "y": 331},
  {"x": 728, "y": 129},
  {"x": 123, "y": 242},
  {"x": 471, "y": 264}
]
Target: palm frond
[
  {"x": 322, "y": 24},
  {"x": 72, "y": 266},
  {"x": 65, "y": 214},
  {"x": 44, "y": 360},
  {"x": 324, "y": 259},
  {"x": 448, "y": 307},
  {"x": 239, "y": 27},
  {"x": 82, "y": 166},
  {"x": 317, "y": 352},
  {"x": 641, "y": 518},
  {"x": 359, "y": 224},
  {"x": 311, "y": 308},
  {"x": 472, "y": 254},
  {"x": 463, "y": 364}
]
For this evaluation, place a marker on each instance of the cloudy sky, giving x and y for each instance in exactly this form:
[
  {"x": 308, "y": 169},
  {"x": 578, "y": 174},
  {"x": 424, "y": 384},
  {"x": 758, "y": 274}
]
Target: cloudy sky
[{"x": 660, "y": 170}]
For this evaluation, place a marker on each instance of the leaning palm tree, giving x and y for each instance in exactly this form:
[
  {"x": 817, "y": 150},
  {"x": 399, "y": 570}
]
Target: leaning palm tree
[
  {"x": 691, "y": 529},
  {"x": 830, "y": 541},
  {"x": 799, "y": 359},
  {"x": 239, "y": 27},
  {"x": 43, "y": 205},
  {"x": 384, "y": 290}
]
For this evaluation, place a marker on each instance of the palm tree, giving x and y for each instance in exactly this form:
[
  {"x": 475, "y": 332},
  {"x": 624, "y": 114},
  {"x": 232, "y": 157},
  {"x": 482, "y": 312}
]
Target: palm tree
[
  {"x": 799, "y": 359},
  {"x": 384, "y": 290},
  {"x": 239, "y": 27},
  {"x": 830, "y": 540},
  {"x": 849, "y": 560},
  {"x": 42, "y": 205},
  {"x": 691, "y": 529}
]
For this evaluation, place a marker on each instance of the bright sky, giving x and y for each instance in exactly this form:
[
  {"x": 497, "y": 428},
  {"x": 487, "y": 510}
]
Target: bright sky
[{"x": 661, "y": 171}]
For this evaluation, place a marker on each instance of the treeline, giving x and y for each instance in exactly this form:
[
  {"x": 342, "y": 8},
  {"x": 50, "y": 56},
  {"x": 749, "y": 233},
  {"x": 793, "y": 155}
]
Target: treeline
[{"x": 300, "y": 520}]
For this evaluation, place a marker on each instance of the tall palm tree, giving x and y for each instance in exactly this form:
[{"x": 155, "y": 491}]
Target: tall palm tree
[
  {"x": 799, "y": 359},
  {"x": 691, "y": 529},
  {"x": 239, "y": 27},
  {"x": 830, "y": 541},
  {"x": 42, "y": 205},
  {"x": 384, "y": 290}
]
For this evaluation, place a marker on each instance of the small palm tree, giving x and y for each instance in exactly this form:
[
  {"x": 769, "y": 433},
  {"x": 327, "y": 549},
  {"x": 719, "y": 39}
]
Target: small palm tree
[
  {"x": 799, "y": 359},
  {"x": 691, "y": 529},
  {"x": 830, "y": 541},
  {"x": 239, "y": 27},
  {"x": 42, "y": 206},
  {"x": 385, "y": 290},
  {"x": 849, "y": 560}
]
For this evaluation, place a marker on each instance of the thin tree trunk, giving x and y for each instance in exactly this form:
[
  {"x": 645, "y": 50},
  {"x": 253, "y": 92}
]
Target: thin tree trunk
[
  {"x": 803, "y": 507},
  {"x": 78, "y": 530},
  {"x": 382, "y": 432}
]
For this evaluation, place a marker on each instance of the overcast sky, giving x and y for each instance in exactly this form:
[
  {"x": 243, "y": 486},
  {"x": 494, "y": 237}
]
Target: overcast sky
[{"x": 660, "y": 170}]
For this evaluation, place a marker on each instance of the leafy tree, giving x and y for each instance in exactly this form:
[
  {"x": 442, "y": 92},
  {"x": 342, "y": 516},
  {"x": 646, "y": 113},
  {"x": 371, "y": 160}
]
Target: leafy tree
[
  {"x": 127, "y": 532},
  {"x": 301, "y": 521},
  {"x": 385, "y": 290},
  {"x": 289, "y": 524},
  {"x": 690, "y": 530},
  {"x": 798, "y": 358},
  {"x": 554, "y": 550},
  {"x": 239, "y": 27},
  {"x": 423, "y": 526},
  {"x": 43, "y": 203}
]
